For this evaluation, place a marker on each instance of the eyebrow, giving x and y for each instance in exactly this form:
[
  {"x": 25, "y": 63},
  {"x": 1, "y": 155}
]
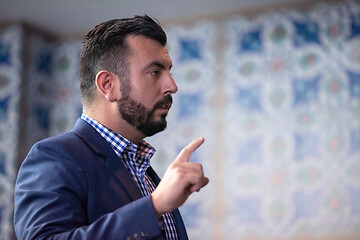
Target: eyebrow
[{"x": 157, "y": 64}]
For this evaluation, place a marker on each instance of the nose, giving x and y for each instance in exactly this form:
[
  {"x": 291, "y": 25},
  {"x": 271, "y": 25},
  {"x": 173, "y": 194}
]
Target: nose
[{"x": 171, "y": 86}]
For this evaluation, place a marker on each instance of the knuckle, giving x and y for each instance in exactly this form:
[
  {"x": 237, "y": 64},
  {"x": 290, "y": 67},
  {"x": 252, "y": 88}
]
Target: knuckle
[
  {"x": 179, "y": 171},
  {"x": 199, "y": 167}
]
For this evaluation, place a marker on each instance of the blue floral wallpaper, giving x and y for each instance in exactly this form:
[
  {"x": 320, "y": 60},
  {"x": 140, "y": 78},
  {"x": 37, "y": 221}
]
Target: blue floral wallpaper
[
  {"x": 292, "y": 124},
  {"x": 276, "y": 96},
  {"x": 11, "y": 67}
]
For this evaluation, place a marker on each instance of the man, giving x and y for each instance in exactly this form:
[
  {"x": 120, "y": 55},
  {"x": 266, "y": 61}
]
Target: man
[{"x": 96, "y": 181}]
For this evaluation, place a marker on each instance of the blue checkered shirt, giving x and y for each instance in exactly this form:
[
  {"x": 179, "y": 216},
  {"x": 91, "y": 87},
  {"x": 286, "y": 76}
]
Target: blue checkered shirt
[{"x": 137, "y": 160}]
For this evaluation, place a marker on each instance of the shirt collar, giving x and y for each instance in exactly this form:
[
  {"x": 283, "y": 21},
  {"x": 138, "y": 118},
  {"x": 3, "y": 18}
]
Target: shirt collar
[{"x": 118, "y": 142}]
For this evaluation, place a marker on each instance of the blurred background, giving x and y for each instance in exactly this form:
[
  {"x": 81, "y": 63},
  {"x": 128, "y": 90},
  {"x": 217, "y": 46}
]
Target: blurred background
[{"x": 272, "y": 85}]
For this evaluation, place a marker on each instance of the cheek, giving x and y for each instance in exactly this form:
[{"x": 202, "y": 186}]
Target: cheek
[
  {"x": 147, "y": 95},
  {"x": 145, "y": 90}
]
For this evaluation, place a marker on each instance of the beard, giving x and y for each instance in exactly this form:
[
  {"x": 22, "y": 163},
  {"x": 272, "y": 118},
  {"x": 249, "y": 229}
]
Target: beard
[{"x": 137, "y": 115}]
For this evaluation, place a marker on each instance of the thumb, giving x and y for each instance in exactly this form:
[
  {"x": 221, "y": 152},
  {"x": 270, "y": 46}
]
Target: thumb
[{"x": 186, "y": 152}]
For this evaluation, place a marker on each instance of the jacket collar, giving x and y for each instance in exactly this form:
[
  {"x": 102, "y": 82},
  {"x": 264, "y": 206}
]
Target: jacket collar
[
  {"x": 89, "y": 135},
  {"x": 112, "y": 162}
]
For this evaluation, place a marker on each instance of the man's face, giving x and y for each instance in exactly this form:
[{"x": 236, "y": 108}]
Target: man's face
[{"x": 146, "y": 94}]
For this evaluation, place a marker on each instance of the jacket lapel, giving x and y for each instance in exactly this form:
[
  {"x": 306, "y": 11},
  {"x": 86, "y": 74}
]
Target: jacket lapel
[
  {"x": 112, "y": 162},
  {"x": 122, "y": 174}
]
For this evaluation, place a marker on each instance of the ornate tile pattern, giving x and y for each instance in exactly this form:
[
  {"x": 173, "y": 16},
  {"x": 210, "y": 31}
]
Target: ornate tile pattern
[{"x": 276, "y": 96}]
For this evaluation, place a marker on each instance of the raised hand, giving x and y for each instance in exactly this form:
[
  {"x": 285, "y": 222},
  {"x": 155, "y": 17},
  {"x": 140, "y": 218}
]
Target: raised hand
[{"x": 181, "y": 179}]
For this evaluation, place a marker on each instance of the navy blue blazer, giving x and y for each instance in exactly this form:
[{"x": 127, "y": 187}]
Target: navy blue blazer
[{"x": 74, "y": 186}]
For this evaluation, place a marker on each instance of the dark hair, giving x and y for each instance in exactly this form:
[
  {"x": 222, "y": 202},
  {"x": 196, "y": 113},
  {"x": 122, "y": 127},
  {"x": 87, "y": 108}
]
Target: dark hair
[{"x": 105, "y": 48}]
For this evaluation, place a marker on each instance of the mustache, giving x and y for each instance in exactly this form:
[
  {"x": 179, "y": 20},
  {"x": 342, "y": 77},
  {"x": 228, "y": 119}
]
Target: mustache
[{"x": 167, "y": 100}]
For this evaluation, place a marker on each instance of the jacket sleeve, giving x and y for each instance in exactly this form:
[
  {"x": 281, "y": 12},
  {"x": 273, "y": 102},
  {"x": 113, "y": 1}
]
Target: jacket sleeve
[{"x": 51, "y": 201}]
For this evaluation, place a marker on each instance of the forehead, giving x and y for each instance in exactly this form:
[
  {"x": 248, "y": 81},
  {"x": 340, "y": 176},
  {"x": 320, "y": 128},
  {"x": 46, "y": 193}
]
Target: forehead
[{"x": 145, "y": 49}]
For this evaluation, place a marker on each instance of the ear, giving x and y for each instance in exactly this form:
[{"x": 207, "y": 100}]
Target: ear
[{"x": 108, "y": 85}]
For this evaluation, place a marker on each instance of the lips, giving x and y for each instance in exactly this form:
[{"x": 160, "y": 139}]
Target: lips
[
  {"x": 164, "y": 103},
  {"x": 166, "y": 106}
]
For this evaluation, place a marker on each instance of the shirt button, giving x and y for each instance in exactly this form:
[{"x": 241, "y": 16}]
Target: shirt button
[
  {"x": 144, "y": 233},
  {"x": 136, "y": 236}
]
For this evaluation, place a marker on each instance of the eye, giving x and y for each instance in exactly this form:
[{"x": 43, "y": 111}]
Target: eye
[{"x": 154, "y": 73}]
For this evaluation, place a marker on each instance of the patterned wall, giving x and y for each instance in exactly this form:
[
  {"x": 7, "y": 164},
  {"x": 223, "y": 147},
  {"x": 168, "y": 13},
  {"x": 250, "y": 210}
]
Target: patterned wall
[
  {"x": 276, "y": 96},
  {"x": 67, "y": 107},
  {"x": 10, "y": 90},
  {"x": 293, "y": 120}
]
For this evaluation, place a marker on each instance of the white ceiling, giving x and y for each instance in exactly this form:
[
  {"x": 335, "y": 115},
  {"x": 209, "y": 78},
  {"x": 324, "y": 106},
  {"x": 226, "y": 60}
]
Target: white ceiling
[{"x": 76, "y": 17}]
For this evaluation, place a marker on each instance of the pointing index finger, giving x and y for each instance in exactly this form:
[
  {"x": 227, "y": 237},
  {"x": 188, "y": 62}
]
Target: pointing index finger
[{"x": 185, "y": 154}]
